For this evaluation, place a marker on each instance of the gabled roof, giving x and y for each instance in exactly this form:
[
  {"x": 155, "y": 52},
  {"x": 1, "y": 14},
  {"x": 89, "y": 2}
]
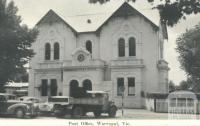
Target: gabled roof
[
  {"x": 51, "y": 17},
  {"x": 92, "y": 22},
  {"x": 126, "y": 10}
]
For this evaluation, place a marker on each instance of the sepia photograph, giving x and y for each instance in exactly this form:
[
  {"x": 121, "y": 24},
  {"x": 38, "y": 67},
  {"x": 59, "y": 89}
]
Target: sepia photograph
[{"x": 99, "y": 62}]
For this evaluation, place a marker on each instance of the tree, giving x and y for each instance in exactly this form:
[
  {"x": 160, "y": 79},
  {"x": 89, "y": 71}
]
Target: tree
[
  {"x": 172, "y": 86},
  {"x": 171, "y": 11},
  {"x": 188, "y": 47},
  {"x": 190, "y": 84},
  {"x": 184, "y": 85},
  {"x": 15, "y": 43}
]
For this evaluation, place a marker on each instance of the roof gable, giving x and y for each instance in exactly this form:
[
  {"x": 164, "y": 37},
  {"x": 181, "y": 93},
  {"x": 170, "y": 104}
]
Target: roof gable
[
  {"x": 126, "y": 10},
  {"x": 51, "y": 17}
]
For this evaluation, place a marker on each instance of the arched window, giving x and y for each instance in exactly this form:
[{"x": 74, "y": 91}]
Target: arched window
[
  {"x": 74, "y": 85},
  {"x": 132, "y": 47},
  {"x": 56, "y": 51},
  {"x": 89, "y": 46},
  {"x": 121, "y": 47},
  {"x": 47, "y": 51},
  {"x": 87, "y": 85}
]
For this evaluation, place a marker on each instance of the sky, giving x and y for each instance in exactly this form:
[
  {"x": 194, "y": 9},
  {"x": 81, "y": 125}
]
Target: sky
[{"x": 32, "y": 11}]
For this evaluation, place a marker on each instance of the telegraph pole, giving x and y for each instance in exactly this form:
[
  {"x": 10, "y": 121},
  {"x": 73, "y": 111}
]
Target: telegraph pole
[{"x": 122, "y": 89}]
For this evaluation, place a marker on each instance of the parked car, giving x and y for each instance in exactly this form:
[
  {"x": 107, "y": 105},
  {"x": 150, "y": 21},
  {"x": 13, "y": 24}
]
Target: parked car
[
  {"x": 21, "y": 109},
  {"x": 29, "y": 99},
  {"x": 46, "y": 108},
  {"x": 96, "y": 102}
]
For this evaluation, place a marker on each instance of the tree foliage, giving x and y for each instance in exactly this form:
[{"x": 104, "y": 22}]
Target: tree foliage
[
  {"x": 190, "y": 84},
  {"x": 188, "y": 47},
  {"x": 171, "y": 11},
  {"x": 15, "y": 43},
  {"x": 172, "y": 86},
  {"x": 184, "y": 85}
]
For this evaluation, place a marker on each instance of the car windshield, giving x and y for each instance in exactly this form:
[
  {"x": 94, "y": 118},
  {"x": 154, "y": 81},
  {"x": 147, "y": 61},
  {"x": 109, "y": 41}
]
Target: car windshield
[
  {"x": 98, "y": 95},
  {"x": 29, "y": 99},
  {"x": 58, "y": 99},
  {"x": 11, "y": 97}
]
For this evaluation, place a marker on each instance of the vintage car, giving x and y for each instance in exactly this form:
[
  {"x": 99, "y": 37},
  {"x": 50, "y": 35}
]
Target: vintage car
[
  {"x": 21, "y": 109},
  {"x": 95, "y": 101},
  {"x": 29, "y": 99},
  {"x": 45, "y": 108}
]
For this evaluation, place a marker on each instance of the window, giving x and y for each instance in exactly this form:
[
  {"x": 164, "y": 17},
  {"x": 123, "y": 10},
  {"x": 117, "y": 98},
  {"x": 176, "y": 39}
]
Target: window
[
  {"x": 120, "y": 86},
  {"x": 121, "y": 47},
  {"x": 47, "y": 51},
  {"x": 89, "y": 46},
  {"x": 44, "y": 87},
  {"x": 56, "y": 51},
  {"x": 132, "y": 47},
  {"x": 87, "y": 85},
  {"x": 131, "y": 86},
  {"x": 53, "y": 87}
]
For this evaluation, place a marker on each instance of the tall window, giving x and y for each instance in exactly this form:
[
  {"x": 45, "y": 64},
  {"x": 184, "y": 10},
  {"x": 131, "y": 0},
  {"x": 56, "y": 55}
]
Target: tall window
[
  {"x": 53, "y": 87},
  {"x": 47, "y": 51},
  {"x": 89, "y": 46},
  {"x": 131, "y": 86},
  {"x": 87, "y": 85},
  {"x": 121, "y": 47},
  {"x": 44, "y": 87},
  {"x": 56, "y": 51},
  {"x": 132, "y": 47},
  {"x": 120, "y": 86},
  {"x": 74, "y": 86}
]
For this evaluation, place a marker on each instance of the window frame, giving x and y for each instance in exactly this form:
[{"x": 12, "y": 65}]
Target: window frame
[
  {"x": 44, "y": 87},
  {"x": 88, "y": 46},
  {"x": 131, "y": 85},
  {"x": 53, "y": 87},
  {"x": 56, "y": 51},
  {"x": 132, "y": 48},
  {"x": 121, "y": 85},
  {"x": 47, "y": 53},
  {"x": 121, "y": 47}
]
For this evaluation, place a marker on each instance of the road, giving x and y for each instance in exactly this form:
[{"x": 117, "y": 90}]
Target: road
[{"x": 130, "y": 114}]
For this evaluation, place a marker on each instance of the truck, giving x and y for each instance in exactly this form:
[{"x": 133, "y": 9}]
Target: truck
[{"x": 94, "y": 101}]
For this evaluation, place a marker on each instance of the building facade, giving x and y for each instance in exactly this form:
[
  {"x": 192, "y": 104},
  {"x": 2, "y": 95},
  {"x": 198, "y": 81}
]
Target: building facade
[{"x": 100, "y": 52}]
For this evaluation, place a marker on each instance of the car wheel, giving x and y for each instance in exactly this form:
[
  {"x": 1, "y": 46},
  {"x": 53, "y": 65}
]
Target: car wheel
[
  {"x": 97, "y": 113},
  {"x": 112, "y": 111},
  {"x": 19, "y": 113},
  {"x": 77, "y": 112}
]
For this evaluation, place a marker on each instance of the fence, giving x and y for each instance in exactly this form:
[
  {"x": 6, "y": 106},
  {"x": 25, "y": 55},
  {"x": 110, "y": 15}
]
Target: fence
[{"x": 161, "y": 105}]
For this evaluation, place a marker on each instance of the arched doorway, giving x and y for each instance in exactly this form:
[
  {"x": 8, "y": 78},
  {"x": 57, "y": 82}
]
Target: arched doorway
[
  {"x": 87, "y": 85},
  {"x": 73, "y": 88}
]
